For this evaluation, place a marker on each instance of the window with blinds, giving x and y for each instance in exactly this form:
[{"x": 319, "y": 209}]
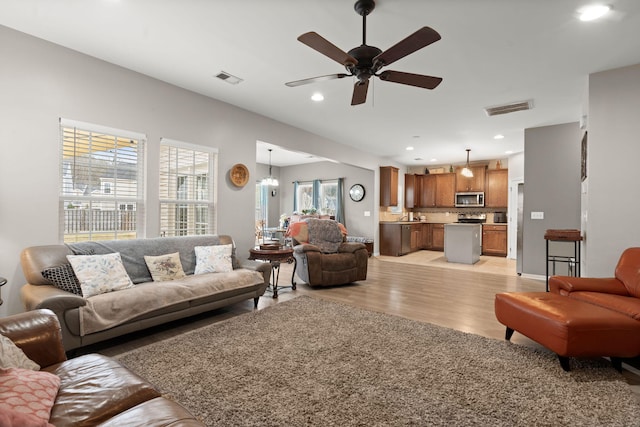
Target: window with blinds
[
  {"x": 187, "y": 189},
  {"x": 101, "y": 183}
]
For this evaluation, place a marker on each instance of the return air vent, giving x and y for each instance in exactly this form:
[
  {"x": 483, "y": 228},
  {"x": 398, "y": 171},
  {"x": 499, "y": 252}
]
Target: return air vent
[
  {"x": 229, "y": 78},
  {"x": 509, "y": 108}
]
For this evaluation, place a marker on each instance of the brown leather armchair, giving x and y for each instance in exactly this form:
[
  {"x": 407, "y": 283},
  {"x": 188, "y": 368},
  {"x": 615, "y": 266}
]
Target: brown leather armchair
[
  {"x": 325, "y": 259},
  {"x": 94, "y": 389}
]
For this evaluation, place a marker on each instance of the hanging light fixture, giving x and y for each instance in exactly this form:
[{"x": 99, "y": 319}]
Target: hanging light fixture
[
  {"x": 270, "y": 180},
  {"x": 466, "y": 171}
]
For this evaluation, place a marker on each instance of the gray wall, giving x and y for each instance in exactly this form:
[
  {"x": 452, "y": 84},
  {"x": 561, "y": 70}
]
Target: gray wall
[
  {"x": 41, "y": 82},
  {"x": 356, "y": 223},
  {"x": 552, "y": 186},
  {"x": 612, "y": 199}
]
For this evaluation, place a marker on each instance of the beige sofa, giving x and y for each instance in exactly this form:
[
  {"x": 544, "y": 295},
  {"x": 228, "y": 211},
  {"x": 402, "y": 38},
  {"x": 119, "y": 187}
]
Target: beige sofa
[{"x": 86, "y": 321}]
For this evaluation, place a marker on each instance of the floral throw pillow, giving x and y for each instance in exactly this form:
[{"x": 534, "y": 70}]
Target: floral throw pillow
[
  {"x": 165, "y": 267},
  {"x": 12, "y": 356},
  {"x": 28, "y": 393},
  {"x": 213, "y": 259},
  {"x": 99, "y": 274}
]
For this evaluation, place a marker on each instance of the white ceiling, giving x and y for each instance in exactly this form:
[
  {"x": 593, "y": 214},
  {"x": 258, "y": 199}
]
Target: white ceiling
[{"x": 492, "y": 52}]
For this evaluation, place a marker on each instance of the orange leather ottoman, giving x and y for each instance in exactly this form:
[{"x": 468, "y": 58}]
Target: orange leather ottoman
[{"x": 568, "y": 327}]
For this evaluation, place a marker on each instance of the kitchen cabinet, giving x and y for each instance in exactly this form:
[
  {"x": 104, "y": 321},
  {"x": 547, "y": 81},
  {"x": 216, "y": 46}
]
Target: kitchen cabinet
[
  {"x": 426, "y": 236},
  {"x": 390, "y": 239},
  {"x": 497, "y": 188},
  {"x": 416, "y": 237},
  {"x": 445, "y": 190},
  {"x": 494, "y": 239},
  {"x": 412, "y": 184},
  {"x": 388, "y": 186},
  {"x": 437, "y": 237},
  {"x": 427, "y": 191},
  {"x": 475, "y": 183}
]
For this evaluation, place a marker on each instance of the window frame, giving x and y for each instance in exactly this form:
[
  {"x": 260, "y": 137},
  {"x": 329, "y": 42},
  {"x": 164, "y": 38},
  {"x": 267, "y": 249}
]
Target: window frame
[
  {"x": 87, "y": 208},
  {"x": 202, "y": 200}
]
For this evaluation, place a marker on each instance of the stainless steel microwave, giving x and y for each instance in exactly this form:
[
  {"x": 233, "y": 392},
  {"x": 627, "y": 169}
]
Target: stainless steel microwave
[{"x": 473, "y": 199}]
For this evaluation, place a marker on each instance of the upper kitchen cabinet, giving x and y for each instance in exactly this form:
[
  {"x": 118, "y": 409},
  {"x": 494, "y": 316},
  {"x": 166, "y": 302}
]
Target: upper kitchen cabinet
[
  {"x": 445, "y": 190},
  {"x": 412, "y": 184},
  {"x": 475, "y": 183},
  {"x": 497, "y": 188},
  {"x": 388, "y": 186},
  {"x": 427, "y": 191}
]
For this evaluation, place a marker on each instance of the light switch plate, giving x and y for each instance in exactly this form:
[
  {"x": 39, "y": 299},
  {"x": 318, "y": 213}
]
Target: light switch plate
[
  {"x": 537, "y": 215},
  {"x": 367, "y": 213}
]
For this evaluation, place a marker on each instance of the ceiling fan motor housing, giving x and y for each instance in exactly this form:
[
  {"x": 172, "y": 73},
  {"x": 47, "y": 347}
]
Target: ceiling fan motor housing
[
  {"x": 365, "y": 67},
  {"x": 364, "y": 7}
]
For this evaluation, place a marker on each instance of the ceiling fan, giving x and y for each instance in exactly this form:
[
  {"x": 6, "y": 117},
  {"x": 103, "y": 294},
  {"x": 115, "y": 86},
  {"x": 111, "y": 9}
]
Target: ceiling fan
[{"x": 365, "y": 61}]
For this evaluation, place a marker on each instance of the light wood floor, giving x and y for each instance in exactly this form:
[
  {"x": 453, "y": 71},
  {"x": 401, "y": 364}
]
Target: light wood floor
[{"x": 456, "y": 298}]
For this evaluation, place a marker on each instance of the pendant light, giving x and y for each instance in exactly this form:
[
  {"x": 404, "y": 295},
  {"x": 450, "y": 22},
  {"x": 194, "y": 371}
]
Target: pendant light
[
  {"x": 466, "y": 171},
  {"x": 270, "y": 180}
]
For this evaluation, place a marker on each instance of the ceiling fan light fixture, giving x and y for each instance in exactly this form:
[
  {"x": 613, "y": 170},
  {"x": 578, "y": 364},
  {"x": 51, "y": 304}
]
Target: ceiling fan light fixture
[
  {"x": 270, "y": 181},
  {"x": 466, "y": 171}
]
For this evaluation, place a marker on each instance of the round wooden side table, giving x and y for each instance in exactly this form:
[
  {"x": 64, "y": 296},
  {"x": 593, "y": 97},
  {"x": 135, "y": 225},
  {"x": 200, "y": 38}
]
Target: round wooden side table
[{"x": 275, "y": 257}]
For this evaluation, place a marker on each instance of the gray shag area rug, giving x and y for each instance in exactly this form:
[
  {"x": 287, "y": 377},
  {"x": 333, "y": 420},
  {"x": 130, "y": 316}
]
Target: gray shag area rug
[{"x": 308, "y": 362}]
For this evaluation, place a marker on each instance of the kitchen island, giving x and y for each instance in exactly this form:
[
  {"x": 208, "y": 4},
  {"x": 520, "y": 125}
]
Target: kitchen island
[{"x": 462, "y": 242}]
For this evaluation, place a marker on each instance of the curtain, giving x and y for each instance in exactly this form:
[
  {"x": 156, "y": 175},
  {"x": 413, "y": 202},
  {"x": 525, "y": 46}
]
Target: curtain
[
  {"x": 317, "y": 203},
  {"x": 340, "y": 203},
  {"x": 295, "y": 196}
]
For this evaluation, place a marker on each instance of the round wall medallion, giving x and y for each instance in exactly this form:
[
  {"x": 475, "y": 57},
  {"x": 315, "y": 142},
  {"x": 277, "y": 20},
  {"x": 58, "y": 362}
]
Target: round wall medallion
[
  {"x": 239, "y": 175},
  {"x": 356, "y": 192}
]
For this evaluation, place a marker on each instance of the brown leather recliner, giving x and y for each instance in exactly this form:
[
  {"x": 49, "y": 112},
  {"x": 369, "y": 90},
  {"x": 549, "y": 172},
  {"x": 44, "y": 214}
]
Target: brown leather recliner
[
  {"x": 95, "y": 389},
  {"x": 325, "y": 259}
]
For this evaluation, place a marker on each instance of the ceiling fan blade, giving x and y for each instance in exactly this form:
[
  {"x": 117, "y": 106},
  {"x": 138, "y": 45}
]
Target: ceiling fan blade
[
  {"x": 316, "y": 79},
  {"x": 360, "y": 93},
  {"x": 418, "y": 80},
  {"x": 317, "y": 42},
  {"x": 421, "y": 38}
]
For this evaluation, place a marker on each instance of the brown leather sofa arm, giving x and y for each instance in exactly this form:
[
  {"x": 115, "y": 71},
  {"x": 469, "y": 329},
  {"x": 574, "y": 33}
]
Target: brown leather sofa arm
[
  {"x": 566, "y": 284},
  {"x": 351, "y": 247},
  {"x": 48, "y": 296},
  {"x": 38, "y": 334},
  {"x": 306, "y": 247}
]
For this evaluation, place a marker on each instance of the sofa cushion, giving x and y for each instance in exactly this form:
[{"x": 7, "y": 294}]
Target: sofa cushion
[
  {"x": 165, "y": 267},
  {"x": 154, "y": 412},
  {"x": 11, "y": 356},
  {"x": 94, "y": 388},
  {"x": 99, "y": 274},
  {"x": 622, "y": 304},
  {"x": 213, "y": 259},
  {"x": 63, "y": 277},
  {"x": 28, "y": 392}
]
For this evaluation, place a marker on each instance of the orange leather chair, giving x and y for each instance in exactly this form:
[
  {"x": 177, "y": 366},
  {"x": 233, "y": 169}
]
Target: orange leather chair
[{"x": 581, "y": 316}]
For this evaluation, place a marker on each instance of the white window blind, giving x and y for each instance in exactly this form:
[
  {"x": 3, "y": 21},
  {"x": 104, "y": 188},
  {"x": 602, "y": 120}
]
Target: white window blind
[
  {"x": 101, "y": 182},
  {"x": 187, "y": 189}
]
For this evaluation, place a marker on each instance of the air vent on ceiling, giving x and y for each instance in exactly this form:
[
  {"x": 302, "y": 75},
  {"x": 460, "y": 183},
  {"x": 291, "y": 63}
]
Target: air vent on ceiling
[
  {"x": 229, "y": 78},
  {"x": 509, "y": 108}
]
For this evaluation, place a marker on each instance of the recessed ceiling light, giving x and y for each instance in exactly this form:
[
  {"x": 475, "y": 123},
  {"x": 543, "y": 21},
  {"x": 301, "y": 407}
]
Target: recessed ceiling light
[
  {"x": 409, "y": 148},
  {"x": 593, "y": 12},
  {"x": 508, "y": 152},
  {"x": 317, "y": 97},
  {"x": 498, "y": 136},
  {"x": 434, "y": 160}
]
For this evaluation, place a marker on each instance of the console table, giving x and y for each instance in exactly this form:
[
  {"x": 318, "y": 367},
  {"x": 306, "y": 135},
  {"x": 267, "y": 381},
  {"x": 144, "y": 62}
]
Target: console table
[{"x": 275, "y": 257}]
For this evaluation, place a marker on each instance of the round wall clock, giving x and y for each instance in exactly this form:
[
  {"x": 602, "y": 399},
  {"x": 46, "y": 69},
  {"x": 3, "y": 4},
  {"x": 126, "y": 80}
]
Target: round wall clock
[
  {"x": 356, "y": 192},
  {"x": 239, "y": 175}
]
